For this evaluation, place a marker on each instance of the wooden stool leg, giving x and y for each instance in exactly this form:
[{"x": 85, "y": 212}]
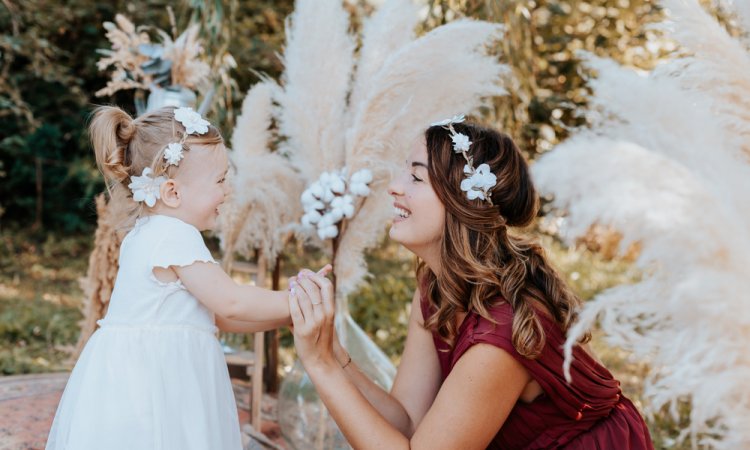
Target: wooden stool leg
[
  {"x": 257, "y": 381},
  {"x": 259, "y": 353}
]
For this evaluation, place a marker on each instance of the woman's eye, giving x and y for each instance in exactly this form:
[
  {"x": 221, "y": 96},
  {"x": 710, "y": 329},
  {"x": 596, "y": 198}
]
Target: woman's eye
[
  {"x": 222, "y": 180},
  {"x": 415, "y": 178}
]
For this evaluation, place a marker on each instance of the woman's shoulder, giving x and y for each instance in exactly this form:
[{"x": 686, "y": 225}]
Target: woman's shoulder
[{"x": 498, "y": 321}]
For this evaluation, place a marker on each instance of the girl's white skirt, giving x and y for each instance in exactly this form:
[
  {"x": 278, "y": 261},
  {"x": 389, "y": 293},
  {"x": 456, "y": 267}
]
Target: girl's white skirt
[{"x": 148, "y": 387}]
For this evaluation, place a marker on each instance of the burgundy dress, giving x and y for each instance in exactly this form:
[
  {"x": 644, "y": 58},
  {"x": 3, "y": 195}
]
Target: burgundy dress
[{"x": 589, "y": 414}]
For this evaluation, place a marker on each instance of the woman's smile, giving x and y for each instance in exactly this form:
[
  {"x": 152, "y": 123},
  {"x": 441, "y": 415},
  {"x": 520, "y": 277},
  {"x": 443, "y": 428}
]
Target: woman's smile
[{"x": 400, "y": 213}]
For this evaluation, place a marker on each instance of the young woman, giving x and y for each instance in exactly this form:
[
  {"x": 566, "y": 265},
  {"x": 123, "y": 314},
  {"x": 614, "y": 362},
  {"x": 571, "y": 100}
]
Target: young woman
[{"x": 483, "y": 362}]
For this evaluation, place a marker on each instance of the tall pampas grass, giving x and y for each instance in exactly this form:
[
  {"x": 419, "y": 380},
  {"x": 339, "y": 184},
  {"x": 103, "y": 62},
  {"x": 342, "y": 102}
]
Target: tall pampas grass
[
  {"x": 318, "y": 62},
  {"x": 665, "y": 162},
  {"x": 101, "y": 273},
  {"x": 433, "y": 77},
  {"x": 265, "y": 187},
  {"x": 337, "y": 111}
]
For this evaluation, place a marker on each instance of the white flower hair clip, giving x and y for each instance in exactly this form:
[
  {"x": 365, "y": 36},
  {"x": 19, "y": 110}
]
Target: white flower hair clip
[
  {"x": 146, "y": 188},
  {"x": 478, "y": 181},
  {"x": 194, "y": 124}
]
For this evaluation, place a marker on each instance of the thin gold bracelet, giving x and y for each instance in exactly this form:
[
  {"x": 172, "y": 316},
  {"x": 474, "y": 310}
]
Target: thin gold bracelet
[{"x": 348, "y": 361}]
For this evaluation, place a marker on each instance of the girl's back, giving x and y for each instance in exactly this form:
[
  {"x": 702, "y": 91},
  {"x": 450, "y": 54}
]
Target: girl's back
[{"x": 138, "y": 297}]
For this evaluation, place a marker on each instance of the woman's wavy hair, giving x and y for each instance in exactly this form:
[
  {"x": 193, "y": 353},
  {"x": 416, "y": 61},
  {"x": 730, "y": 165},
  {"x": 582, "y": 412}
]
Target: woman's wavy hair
[
  {"x": 487, "y": 263},
  {"x": 124, "y": 146}
]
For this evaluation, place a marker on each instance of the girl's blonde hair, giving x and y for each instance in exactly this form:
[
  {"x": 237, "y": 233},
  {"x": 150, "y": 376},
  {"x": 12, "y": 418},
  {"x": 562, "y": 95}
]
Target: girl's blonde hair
[{"x": 124, "y": 146}]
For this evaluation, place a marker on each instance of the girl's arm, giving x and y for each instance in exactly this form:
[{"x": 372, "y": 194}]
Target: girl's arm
[
  {"x": 243, "y": 326},
  {"x": 232, "y": 301},
  {"x": 468, "y": 410}
]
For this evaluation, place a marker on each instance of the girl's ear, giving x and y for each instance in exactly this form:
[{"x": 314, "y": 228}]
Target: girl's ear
[{"x": 170, "y": 193}]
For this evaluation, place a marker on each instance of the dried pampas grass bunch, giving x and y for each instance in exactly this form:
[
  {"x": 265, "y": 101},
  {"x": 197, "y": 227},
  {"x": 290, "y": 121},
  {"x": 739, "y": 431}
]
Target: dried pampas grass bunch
[
  {"x": 666, "y": 163},
  {"x": 336, "y": 110},
  {"x": 140, "y": 64},
  {"x": 100, "y": 278},
  {"x": 264, "y": 202}
]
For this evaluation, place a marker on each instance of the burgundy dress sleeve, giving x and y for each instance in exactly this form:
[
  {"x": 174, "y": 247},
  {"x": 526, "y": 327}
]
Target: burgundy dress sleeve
[{"x": 588, "y": 413}]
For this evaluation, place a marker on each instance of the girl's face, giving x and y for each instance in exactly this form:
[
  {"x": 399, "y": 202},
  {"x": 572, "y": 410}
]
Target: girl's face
[
  {"x": 419, "y": 216},
  {"x": 202, "y": 185}
]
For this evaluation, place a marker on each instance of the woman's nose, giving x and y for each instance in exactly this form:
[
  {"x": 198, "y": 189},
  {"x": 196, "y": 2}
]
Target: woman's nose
[{"x": 395, "y": 187}]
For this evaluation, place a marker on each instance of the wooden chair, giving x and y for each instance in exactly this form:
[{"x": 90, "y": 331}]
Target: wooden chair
[{"x": 251, "y": 361}]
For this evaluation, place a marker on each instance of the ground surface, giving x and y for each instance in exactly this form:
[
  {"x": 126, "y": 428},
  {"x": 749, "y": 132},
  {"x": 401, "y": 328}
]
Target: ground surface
[{"x": 28, "y": 404}]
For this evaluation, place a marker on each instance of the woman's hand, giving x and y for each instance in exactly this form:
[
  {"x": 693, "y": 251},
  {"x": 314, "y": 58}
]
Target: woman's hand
[{"x": 312, "y": 307}]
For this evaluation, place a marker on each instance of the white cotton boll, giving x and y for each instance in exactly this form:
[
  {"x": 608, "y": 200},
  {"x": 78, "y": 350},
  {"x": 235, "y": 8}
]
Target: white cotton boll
[
  {"x": 308, "y": 197},
  {"x": 316, "y": 189},
  {"x": 359, "y": 189},
  {"x": 328, "y": 232},
  {"x": 314, "y": 206},
  {"x": 336, "y": 213},
  {"x": 328, "y": 195},
  {"x": 344, "y": 205},
  {"x": 325, "y": 179},
  {"x": 362, "y": 176},
  {"x": 326, "y": 220},
  {"x": 338, "y": 185},
  {"x": 311, "y": 218}
]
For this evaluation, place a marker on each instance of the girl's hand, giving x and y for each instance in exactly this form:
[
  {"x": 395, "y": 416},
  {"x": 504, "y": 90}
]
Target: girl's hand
[{"x": 311, "y": 304}]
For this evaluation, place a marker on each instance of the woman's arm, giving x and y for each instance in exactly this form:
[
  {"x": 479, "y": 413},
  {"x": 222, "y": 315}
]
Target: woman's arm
[
  {"x": 417, "y": 380},
  {"x": 469, "y": 409}
]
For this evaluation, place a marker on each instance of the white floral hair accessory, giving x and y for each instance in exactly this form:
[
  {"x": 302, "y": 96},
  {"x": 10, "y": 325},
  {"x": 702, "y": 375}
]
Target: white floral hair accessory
[
  {"x": 478, "y": 181},
  {"x": 331, "y": 198},
  {"x": 146, "y": 188},
  {"x": 194, "y": 124}
]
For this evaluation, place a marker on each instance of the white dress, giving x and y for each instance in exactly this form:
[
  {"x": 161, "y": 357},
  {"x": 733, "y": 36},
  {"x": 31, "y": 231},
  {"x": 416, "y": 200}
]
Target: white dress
[{"x": 154, "y": 375}]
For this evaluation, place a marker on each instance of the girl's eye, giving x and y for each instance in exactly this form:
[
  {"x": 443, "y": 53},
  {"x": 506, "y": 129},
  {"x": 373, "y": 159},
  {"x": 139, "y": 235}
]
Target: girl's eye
[
  {"x": 415, "y": 178},
  {"x": 222, "y": 180}
]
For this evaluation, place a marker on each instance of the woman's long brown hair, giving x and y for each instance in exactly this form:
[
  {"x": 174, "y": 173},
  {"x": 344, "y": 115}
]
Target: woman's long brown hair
[{"x": 487, "y": 263}]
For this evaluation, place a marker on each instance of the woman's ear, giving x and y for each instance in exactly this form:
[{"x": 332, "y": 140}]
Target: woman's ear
[{"x": 170, "y": 193}]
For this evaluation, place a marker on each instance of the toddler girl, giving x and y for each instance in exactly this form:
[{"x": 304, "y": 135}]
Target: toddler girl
[{"x": 154, "y": 375}]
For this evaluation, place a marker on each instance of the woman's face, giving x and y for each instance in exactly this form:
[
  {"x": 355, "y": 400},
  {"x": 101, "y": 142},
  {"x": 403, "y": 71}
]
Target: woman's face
[{"x": 419, "y": 216}]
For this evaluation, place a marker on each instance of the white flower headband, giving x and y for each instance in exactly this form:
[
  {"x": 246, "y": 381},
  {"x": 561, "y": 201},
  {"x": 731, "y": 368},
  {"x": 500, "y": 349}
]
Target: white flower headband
[
  {"x": 145, "y": 188},
  {"x": 478, "y": 181}
]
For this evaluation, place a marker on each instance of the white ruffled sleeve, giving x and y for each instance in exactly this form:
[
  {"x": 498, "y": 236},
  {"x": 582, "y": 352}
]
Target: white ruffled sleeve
[{"x": 181, "y": 246}]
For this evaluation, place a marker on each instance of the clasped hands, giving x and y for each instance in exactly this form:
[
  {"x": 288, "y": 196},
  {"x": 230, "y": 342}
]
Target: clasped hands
[{"x": 312, "y": 306}]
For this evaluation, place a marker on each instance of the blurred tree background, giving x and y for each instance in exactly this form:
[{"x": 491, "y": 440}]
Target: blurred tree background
[
  {"x": 48, "y": 177},
  {"x": 48, "y": 64}
]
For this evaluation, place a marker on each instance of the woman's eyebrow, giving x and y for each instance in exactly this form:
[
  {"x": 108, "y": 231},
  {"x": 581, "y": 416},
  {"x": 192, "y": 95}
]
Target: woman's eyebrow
[{"x": 418, "y": 164}]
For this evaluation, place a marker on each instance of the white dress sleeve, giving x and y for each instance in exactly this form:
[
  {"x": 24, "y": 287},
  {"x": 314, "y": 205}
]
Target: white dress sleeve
[{"x": 181, "y": 246}]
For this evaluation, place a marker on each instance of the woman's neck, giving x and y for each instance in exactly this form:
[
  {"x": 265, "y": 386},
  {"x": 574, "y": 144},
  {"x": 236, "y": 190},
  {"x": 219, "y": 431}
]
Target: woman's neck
[{"x": 431, "y": 257}]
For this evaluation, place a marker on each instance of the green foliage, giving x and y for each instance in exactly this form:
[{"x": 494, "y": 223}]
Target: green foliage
[
  {"x": 382, "y": 305},
  {"x": 39, "y": 300},
  {"x": 542, "y": 44},
  {"x": 48, "y": 77},
  {"x": 38, "y": 335}
]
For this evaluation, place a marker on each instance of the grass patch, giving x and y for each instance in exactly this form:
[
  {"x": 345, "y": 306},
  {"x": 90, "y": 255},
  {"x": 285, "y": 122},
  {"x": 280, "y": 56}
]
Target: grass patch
[{"x": 39, "y": 300}]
